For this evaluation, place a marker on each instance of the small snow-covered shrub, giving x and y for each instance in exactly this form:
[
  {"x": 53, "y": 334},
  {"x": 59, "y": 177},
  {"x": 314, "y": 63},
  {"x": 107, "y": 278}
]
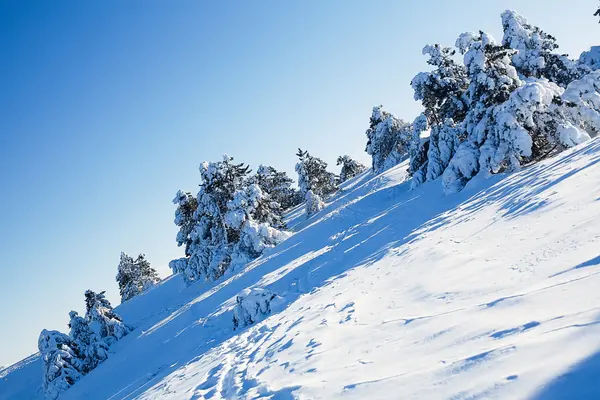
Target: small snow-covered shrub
[
  {"x": 62, "y": 366},
  {"x": 314, "y": 204},
  {"x": 253, "y": 305}
]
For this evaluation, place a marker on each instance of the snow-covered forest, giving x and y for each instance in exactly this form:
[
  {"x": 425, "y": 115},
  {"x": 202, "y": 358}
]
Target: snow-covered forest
[{"x": 496, "y": 116}]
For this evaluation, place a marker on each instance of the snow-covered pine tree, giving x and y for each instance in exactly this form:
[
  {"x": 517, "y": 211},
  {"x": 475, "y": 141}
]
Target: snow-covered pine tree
[
  {"x": 134, "y": 277},
  {"x": 535, "y": 56},
  {"x": 278, "y": 186},
  {"x": 313, "y": 204},
  {"x": 442, "y": 94},
  {"x": 61, "y": 366},
  {"x": 90, "y": 348},
  {"x": 418, "y": 150},
  {"x": 350, "y": 168},
  {"x": 251, "y": 213},
  {"x": 313, "y": 175},
  {"x": 103, "y": 321},
  {"x": 492, "y": 79},
  {"x": 210, "y": 241},
  {"x": 388, "y": 139},
  {"x": 184, "y": 217}
]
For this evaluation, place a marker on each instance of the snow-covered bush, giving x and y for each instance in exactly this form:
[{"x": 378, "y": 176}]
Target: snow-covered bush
[
  {"x": 313, "y": 175},
  {"x": 350, "y": 167},
  {"x": 313, "y": 204},
  {"x": 582, "y": 102},
  {"x": 103, "y": 321},
  {"x": 91, "y": 349},
  {"x": 253, "y": 305},
  {"x": 134, "y": 276},
  {"x": 388, "y": 139},
  {"x": 61, "y": 366}
]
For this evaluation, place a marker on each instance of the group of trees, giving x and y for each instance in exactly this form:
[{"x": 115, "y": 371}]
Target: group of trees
[
  {"x": 506, "y": 105},
  {"x": 236, "y": 215},
  {"x": 68, "y": 357}
]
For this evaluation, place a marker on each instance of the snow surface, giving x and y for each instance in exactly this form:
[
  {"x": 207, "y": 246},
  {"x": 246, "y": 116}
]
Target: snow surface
[{"x": 387, "y": 294}]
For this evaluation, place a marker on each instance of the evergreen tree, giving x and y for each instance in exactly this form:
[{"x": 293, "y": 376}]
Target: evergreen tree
[
  {"x": 184, "y": 217},
  {"x": 492, "y": 79},
  {"x": 134, "y": 277},
  {"x": 278, "y": 186},
  {"x": 388, "y": 139},
  {"x": 350, "y": 168},
  {"x": 418, "y": 150},
  {"x": 442, "y": 93},
  {"x": 62, "y": 367},
  {"x": 535, "y": 55},
  {"x": 90, "y": 349},
  {"x": 251, "y": 213},
  {"x": 103, "y": 321},
  {"x": 313, "y": 175}
]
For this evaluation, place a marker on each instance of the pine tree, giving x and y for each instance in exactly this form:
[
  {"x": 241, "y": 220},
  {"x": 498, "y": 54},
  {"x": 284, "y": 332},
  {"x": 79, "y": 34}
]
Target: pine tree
[
  {"x": 418, "y": 150},
  {"x": 250, "y": 213},
  {"x": 350, "y": 168},
  {"x": 492, "y": 80},
  {"x": 278, "y": 186},
  {"x": 184, "y": 217},
  {"x": 535, "y": 55},
  {"x": 103, "y": 321},
  {"x": 313, "y": 175},
  {"x": 62, "y": 367},
  {"x": 134, "y": 277},
  {"x": 442, "y": 94},
  {"x": 388, "y": 139},
  {"x": 90, "y": 348}
]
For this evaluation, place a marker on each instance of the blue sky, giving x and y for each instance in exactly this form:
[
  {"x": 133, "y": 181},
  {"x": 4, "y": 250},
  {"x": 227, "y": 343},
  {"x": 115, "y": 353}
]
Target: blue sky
[{"x": 109, "y": 107}]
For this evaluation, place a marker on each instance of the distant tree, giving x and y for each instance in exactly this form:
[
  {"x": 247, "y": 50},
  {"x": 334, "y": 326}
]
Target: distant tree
[
  {"x": 313, "y": 175},
  {"x": 103, "y": 321},
  {"x": 350, "y": 167},
  {"x": 62, "y": 367},
  {"x": 388, "y": 139},
  {"x": 134, "y": 277}
]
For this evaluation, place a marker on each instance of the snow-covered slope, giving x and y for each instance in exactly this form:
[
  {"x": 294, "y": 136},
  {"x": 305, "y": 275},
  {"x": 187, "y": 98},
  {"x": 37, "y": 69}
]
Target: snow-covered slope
[{"x": 387, "y": 294}]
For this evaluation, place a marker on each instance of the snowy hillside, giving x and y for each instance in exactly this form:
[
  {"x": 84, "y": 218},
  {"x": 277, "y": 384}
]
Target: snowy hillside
[{"x": 385, "y": 294}]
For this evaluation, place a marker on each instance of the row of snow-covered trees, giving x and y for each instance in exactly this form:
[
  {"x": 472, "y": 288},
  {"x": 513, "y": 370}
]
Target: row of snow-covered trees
[
  {"x": 506, "y": 105},
  {"x": 236, "y": 215},
  {"x": 67, "y": 357}
]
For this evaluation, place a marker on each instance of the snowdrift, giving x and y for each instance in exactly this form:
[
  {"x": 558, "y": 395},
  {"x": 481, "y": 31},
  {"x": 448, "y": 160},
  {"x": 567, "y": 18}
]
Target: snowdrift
[{"x": 386, "y": 293}]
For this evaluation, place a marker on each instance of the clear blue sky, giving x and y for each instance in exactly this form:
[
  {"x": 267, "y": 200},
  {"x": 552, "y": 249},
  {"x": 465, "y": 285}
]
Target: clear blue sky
[{"x": 107, "y": 108}]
